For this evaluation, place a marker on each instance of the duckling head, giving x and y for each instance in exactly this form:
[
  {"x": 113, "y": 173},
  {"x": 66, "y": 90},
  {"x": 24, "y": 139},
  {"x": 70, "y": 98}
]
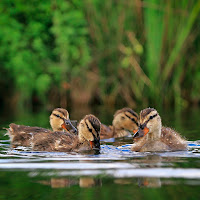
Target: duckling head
[
  {"x": 89, "y": 130},
  {"x": 126, "y": 118},
  {"x": 59, "y": 120},
  {"x": 150, "y": 123}
]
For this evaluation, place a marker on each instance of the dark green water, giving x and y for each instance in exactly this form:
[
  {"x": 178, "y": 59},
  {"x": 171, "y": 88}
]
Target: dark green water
[{"x": 117, "y": 173}]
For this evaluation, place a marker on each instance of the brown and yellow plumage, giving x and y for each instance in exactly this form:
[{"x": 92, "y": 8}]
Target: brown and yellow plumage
[{"x": 124, "y": 120}]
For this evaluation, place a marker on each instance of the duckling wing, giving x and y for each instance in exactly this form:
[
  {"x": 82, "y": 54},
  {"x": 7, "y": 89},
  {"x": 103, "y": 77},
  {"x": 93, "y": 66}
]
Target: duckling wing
[
  {"x": 173, "y": 139},
  {"x": 106, "y": 132},
  {"x": 137, "y": 145},
  {"x": 21, "y": 135},
  {"x": 155, "y": 146},
  {"x": 56, "y": 141}
]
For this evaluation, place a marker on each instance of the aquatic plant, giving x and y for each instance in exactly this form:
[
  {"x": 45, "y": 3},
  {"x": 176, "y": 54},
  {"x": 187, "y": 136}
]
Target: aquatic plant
[{"x": 124, "y": 52}]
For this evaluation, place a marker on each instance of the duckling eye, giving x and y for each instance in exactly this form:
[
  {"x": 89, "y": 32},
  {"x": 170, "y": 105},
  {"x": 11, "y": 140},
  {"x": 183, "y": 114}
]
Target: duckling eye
[
  {"x": 151, "y": 117},
  {"x": 57, "y": 115},
  {"x": 122, "y": 118},
  {"x": 90, "y": 130}
]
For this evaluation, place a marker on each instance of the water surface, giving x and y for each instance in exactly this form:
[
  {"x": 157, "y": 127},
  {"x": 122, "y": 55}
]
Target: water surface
[{"x": 116, "y": 172}]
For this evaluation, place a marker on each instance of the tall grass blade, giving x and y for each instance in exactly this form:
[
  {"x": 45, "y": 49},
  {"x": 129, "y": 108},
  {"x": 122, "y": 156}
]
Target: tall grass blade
[
  {"x": 153, "y": 18},
  {"x": 180, "y": 40}
]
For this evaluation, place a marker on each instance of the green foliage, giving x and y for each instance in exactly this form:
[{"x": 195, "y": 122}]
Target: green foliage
[
  {"x": 69, "y": 29},
  {"x": 135, "y": 52},
  {"x": 41, "y": 45}
]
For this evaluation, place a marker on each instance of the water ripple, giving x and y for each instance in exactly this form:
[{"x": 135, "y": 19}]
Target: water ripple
[{"x": 115, "y": 161}]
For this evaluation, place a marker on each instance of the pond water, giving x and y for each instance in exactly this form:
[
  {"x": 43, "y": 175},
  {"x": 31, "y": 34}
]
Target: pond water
[{"x": 116, "y": 173}]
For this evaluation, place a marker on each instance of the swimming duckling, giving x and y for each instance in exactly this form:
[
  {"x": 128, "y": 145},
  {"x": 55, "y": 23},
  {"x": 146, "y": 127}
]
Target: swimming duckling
[
  {"x": 87, "y": 139},
  {"x": 21, "y": 135},
  {"x": 154, "y": 137},
  {"x": 125, "y": 120}
]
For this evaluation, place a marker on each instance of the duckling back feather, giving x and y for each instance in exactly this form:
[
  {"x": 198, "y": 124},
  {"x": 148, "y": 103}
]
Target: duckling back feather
[
  {"x": 56, "y": 141},
  {"x": 173, "y": 139},
  {"x": 21, "y": 135}
]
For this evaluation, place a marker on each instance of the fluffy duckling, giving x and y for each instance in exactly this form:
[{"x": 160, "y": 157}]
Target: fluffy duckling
[
  {"x": 88, "y": 138},
  {"x": 154, "y": 137},
  {"x": 125, "y": 120},
  {"x": 21, "y": 135}
]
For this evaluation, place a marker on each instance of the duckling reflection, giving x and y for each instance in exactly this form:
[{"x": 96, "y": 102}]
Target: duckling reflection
[
  {"x": 83, "y": 182},
  {"x": 125, "y": 120},
  {"x": 59, "y": 182},
  {"x": 150, "y": 182},
  {"x": 153, "y": 161},
  {"x": 21, "y": 135},
  {"x": 154, "y": 137},
  {"x": 87, "y": 182},
  {"x": 141, "y": 182},
  {"x": 123, "y": 181}
]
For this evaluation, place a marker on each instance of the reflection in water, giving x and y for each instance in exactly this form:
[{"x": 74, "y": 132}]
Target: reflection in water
[
  {"x": 153, "y": 160},
  {"x": 83, "y": 182},
  {"x": 88, "y": 182},
  {"x": 58, "y": 182},
  {"x": 149, "y": 182},
  {"x": 115, "y": 173},
  {"x": 122, "y": 181}
]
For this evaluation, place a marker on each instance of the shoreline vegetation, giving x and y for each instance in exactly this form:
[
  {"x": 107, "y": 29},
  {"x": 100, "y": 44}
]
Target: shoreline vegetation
[{"x": 61, "y": 53}]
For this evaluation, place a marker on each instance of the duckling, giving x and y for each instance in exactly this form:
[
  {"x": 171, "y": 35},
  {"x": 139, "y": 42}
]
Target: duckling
[
  {"x": 88, "y": 138},
  {"x": 21, "y": 135},
  {"x": 154, "y": 137},
  {"x": 125, "y": 120}
]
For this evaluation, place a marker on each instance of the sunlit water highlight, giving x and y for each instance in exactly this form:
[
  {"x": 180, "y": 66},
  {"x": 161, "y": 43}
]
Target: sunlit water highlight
[{"x": 113, "y": 161}]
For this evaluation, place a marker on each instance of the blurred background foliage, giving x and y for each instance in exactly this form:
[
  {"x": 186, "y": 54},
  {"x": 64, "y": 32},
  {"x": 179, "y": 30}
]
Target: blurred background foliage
[{"x": 124, "y": 52}]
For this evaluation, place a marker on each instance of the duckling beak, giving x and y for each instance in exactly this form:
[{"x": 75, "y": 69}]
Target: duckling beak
[
  {"x": 69, "y": 127},
  {"x": 95, "y": 145},
  {"x": 141, "y": 132},
  {"x": 135, "y": 131}
]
